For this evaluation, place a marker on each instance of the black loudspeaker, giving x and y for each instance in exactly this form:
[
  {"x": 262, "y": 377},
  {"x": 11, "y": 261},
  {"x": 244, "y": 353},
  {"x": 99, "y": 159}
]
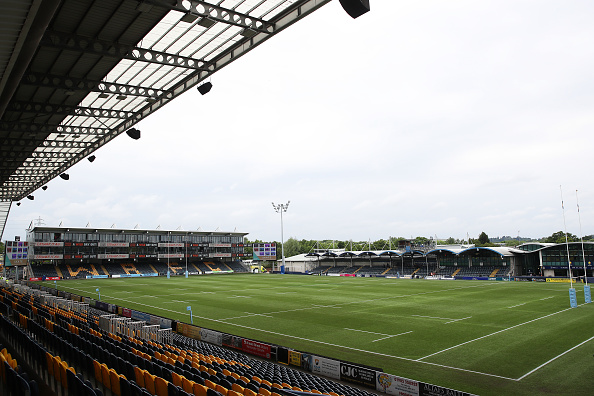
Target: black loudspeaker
[
  {"x": 355, "y": 8},
  {"x": 133, "y": 133},
  {"x": 204, "y": 88}
]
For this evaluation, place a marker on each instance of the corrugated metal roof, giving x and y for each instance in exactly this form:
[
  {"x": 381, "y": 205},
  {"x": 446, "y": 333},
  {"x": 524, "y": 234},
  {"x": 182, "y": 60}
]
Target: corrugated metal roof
[{"x": 75, "y": 74}]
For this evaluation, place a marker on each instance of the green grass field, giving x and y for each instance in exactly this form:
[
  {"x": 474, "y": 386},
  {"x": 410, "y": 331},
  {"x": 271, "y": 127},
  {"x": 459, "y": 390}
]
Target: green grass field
[{"x": 487, "y": 338}]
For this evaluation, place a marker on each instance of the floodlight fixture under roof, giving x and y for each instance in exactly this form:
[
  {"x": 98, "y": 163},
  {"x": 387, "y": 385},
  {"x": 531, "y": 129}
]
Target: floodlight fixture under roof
[
  {"x": 133, "y": 133},
  {"x": 188, "y": 18},
  {"x": 206, "y": 22},
  {"x": 205, "y": 88},
  {"x": 91, "y": 158},
  {"x": 248, "y": 33},
  {"x": 30, "y": 197},
  {"x": 65, "y": 176},
  {"x": 44, "y": 188}
]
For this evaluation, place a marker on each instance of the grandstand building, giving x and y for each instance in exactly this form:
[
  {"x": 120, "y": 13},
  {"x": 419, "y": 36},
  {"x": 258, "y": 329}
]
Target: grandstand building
[
  {"x": 529, "y": 259},
  {"x": 96, "y": 252}
]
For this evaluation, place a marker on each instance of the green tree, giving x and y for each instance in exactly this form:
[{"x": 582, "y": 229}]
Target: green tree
[
  {"x": 450, "y": 241},
  {"x": 483, "y": 239},
  {"x": 559, "y": 237},
  {"x": 291, "y": 247}
]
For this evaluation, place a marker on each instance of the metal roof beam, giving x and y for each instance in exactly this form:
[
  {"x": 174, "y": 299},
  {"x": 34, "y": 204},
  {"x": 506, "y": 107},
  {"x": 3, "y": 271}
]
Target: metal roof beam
[
  {"x": 218, "y": 14},
  {"x": 35, "y": 129},
  {"x": 73, "y": 84},
  {"x": 51, "y": 109},
  {"x": 119, "y": 51}
]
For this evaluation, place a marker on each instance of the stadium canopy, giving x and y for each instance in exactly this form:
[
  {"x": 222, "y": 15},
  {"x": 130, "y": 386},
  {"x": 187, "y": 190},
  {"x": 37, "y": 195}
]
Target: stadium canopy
[
  {"x": 503, "y": 251},
  {"x": 76, "y": 74}
]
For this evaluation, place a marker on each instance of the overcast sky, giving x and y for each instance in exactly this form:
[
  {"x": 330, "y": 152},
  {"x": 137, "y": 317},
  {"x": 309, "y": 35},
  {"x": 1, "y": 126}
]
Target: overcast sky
[{"x": 420, "y": 118}]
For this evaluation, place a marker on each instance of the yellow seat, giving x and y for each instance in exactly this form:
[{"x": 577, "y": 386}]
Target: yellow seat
[
  {"x": 105, "y": 376},
  {"x": 50, "y": 363},
  {"x": 176, "y": 379},
  {"x": 139, "y": 374},
  {"x": 187, "y": 385},
  {"x": 237, "y": 388},
  {"x": 210, "y": 384},
  {"x": 161, "y": 387},
  {"x": 200, "y": 390},
  {"x": 221, "y": 389},
  {"x": 149, "y": 382},
  {"x": 114, "y": 379},
  {"x": 57, "y": 365},
  {"x": 264, "y": 392}
]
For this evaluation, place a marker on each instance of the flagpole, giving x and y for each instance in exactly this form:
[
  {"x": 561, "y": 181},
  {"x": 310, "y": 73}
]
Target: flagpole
[
  {"x": 587, "y": 295},
  {"x": 581, "y": 237},
  {"x": 566, "y": 241},
  {"x": 572, "y": 293}
]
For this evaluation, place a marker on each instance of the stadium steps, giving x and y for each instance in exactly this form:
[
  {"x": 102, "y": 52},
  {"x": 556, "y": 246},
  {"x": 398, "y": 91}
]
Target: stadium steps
[
  {"x": 154, "y": 269},
  {"x": 129, "y": 268},
  {"x": 386, "y": 271},
  {"x": 415, "y": 271},
  {"x": 229, "y": 268},
  {"x": 197, "y": 269},
  {"x": 358, "y": 269},
  {"x": 456, "y": 272},
  {"x": 104, "y": 270},
  {"x": 208, "y": 263},
  {"x": 494, "y": 272},
  {"x": 327, "y": 269}
]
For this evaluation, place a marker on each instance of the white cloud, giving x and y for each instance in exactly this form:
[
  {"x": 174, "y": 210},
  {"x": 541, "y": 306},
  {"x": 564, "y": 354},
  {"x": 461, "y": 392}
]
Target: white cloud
[{"x": 419, "y": 118}]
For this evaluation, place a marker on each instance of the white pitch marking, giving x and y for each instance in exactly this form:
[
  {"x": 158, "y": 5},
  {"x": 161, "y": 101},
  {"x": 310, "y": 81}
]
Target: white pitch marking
[
  {"x": 519, "y": 305},
  {"x": 379, "y": 339},
  {"x": 434, "y": 317},
  {"x": 455, "y": 320},
  {"x": 326, "y": 343},
  {"x": 491, "y": 334},
  {"x": 558, "y": 356}
]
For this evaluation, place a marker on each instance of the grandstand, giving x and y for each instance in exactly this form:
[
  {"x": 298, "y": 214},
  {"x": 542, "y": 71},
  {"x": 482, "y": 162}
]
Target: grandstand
[
  {"x": 530, "y": 259},
  {"x": 70, "y": 350}
]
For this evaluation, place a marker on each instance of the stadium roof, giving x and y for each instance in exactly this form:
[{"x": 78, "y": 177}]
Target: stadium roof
[
  {"x": 113, "y": 230},
  {"x": 76, "y": 74}
]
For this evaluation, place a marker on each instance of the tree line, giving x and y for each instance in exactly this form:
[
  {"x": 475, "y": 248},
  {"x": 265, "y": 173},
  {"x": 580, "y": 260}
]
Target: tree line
[{"x": 294, "y": 246}]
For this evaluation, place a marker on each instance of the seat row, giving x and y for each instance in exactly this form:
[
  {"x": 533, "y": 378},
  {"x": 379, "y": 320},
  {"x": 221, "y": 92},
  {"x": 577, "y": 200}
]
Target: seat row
[{"x": 119, "y": 365}]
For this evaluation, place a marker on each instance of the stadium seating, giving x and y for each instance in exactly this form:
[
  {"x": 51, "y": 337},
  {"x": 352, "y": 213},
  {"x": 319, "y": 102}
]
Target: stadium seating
[
  {"x": 77, "y": 357},
  {"x": 175, "y": 267}
]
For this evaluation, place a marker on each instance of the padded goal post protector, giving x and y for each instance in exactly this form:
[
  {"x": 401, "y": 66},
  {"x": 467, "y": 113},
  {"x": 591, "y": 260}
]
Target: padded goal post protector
[{"x": 355, "y": 8}]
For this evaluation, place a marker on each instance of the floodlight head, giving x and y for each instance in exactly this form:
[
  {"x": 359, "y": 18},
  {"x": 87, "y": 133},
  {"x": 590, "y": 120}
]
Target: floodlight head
[
  {"x": 18, "y": 204},
  {"x": 133, "y": 133},
  {"x": 206, "y": 22},
  {"x": 30, "y": 197},
  {"x": 188, "y": 17},
  {"x": 65, "y": 176},
  {"x": 91, "y": 158},
  {"x": 205, "y": 88},
  {"x": 355, "y": 8},
  {"x": 44, "y": 188}
]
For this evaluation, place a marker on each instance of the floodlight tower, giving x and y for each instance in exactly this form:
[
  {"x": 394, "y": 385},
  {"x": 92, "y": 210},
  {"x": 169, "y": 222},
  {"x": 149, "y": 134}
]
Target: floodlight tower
[{"x": 280, "y": 208}]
